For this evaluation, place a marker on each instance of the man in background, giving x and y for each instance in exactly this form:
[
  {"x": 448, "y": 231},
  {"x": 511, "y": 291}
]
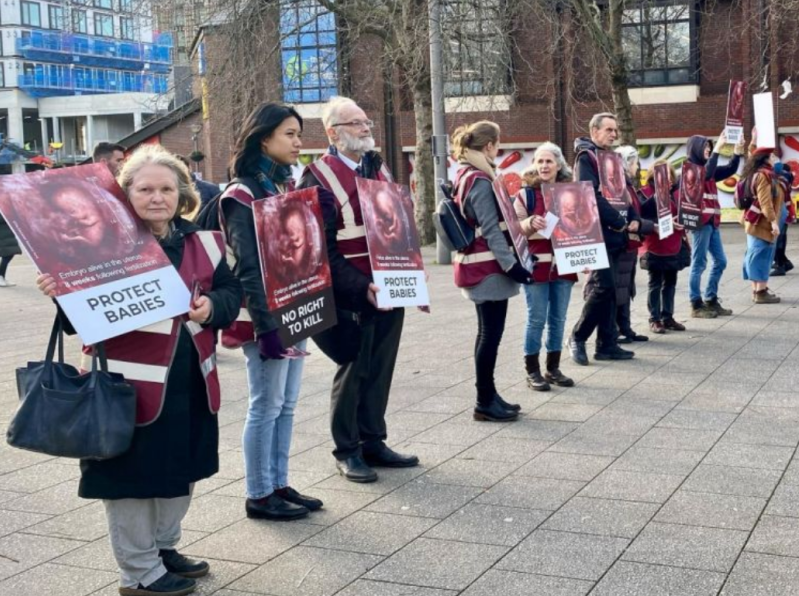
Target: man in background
[{"x": 110, "y": 154}]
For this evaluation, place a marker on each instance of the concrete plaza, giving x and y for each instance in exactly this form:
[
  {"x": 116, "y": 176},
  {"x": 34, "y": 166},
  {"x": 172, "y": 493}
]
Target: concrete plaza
[{"x": 671, "y": 474}]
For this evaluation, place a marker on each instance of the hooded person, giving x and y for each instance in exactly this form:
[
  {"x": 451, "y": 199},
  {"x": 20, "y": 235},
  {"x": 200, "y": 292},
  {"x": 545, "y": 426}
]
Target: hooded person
[{"x": 707, "y": 239}]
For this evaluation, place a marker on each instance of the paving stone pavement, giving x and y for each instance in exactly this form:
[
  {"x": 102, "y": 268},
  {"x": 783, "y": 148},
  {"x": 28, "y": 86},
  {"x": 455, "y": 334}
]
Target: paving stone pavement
[{"x": 671, "y": 474}]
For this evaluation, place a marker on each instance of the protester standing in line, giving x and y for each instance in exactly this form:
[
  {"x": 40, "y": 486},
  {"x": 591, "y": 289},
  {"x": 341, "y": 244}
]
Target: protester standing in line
[
  {"x": 147, "y": 490},
  {"x": 9, "y": 248},
  {"x": 549, "y": 294},
  {"x": 762, "y": 222},
  {"x": 600, "y": 306},
  {"x": 487, "y": 271},
  {"x": 628, "y": 260},
  {"x": 268, "y": 144},
  {"x": 365, "y": 342},
  {"x": 707, "y": 239},
  {"x": 782, "y": 264},
  {"x": 661, "y": 258}
]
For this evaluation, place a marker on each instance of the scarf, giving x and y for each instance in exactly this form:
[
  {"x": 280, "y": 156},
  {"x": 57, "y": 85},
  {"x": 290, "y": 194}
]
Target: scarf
[
  {"x": 479, "y": 160},
  {"x": 271, "y": 174}
]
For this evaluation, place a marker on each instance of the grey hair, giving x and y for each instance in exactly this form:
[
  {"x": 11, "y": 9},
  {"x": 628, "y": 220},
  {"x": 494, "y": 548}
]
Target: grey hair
[
  {"x": 629, "y": 154},
  {"x": 188, "y": 200},
  {"x": 596, "y": 120},
  {"x": 564, "y": 171},
  {"x": 332, "y": 108}
]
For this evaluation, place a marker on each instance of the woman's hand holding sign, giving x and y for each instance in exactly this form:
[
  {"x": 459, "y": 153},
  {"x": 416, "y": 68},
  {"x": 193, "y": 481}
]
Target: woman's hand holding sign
[
  {"x": 201, "y": 309},
  {"x": 46, "y": 285}
]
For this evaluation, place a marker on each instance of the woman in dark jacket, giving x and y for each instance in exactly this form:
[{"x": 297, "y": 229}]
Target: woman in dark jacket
[
  {"x": 8, "y": 249},
  {"x": 267, "y": 146},
  {"x": 147, "y": 490},
  {"x": 661, "y": 258}
]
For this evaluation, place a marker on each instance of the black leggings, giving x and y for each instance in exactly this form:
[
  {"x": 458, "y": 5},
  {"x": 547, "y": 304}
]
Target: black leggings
[
  {"x": 490, "y": 326},
  {"x": 4, "y": 261}
]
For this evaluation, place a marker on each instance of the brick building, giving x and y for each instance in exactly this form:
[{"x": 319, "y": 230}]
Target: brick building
[{"x": 682, "y": 55}]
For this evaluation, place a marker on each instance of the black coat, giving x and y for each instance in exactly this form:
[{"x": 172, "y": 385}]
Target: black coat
[
  {"x": 181, "y": 446},
  {"x": 8, "y": 243},
  {"x": 206, "y": 190}
]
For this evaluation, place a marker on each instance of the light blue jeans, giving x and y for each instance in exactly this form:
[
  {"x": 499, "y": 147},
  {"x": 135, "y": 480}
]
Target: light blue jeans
[
  {"x": 706, "y": 239},
  {"x": 274, "y": 390},
  {"x": 547, "y": 304}
]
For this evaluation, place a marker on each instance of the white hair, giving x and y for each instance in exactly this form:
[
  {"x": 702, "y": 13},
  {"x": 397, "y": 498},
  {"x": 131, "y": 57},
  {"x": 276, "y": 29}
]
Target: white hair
[
  {"x": 628, "y": 153},
  {"x": 332, "y": 109},
  {"x": 596, "y": 120},
  {"x": 564, "y": 171}
]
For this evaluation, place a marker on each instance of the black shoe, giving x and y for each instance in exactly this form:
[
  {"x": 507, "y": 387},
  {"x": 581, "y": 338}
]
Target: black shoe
[
  {"x": 494, "y": 413},
  {"x": 168, "y": 584},
  {"x": 787, "y": 265},
  {"x": 292, "y": 496},
  {"x": 385, "y": 457},
  {"x": 624, "y": 339},
  {"x": 553, "y": 374},
  {"x": 777, "y": 272},
  {"x": 613, "y": 353},
  {"x": 633, "y": 336},
  {"x": 715, "y": 306},
  {"x": 506, "y": 405},
  {"x": 577, "y": 351},
  {"x": 182, "y": 566},
  {"x": 274, "y": 508},
  {"x": 355, "y": 469}
]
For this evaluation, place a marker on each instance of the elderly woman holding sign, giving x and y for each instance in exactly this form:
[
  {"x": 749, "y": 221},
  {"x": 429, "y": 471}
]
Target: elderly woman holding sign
[
  {"x": 487, "y": 271},
  {"x": 147, "y": 490},
  {"x": 268, "y": 145}
]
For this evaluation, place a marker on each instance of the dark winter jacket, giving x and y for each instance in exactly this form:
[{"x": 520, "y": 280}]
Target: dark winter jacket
[
  {"x": 613, "y": 223},
  {"x": 206, "y": 190},
  {"x": 695, "y": 152},
  {"x": 8, "y": 243}
]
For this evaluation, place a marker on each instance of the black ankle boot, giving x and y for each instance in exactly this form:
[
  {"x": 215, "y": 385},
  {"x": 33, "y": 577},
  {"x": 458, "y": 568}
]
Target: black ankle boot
[
  {"x": 506, "y": 405},
  {"x": 494, "y": 413},
  {"x": 535, "y": 381},
  {"x": 553, "y": 374}
]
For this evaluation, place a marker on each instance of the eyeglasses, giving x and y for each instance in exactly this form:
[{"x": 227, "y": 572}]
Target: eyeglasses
[{"x": 357, "y": 123}]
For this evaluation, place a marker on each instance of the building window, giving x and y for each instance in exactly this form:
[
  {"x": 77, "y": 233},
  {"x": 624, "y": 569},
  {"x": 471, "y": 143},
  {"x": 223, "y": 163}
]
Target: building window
[
  {"x": 659, "y": 45},
  {"x": 31, "y": 14},
  {"x": 79, "y": 21},
  {"x": 2, "y": 74},
  {"x": 126, "y": 28},
  {"x": 103, "y": 24},
  {"x": 476, "y": 60},
  {"x": 308, "y": 49},
  {"x": 125, "y": 5},
  {"x": 104, "y": 4},
  {"x": 56, "y": 17}
]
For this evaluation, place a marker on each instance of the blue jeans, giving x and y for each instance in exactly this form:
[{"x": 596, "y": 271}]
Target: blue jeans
[
  {"x": 706, "y": 239},
  {"x": 274, "y": 390},
  {"x": 547, "y": 304}
]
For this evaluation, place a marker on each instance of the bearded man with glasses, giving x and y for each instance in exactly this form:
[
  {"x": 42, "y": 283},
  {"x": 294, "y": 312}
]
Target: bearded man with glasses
[{"x": 365, "y": 342}]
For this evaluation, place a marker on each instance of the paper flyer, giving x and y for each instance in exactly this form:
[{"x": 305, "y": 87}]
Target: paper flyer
[
  {"x": 291, "y": 244},
  {"x": 394, "y": 250},
  {"x": 577, "y": 241},
  {"x": 75, "y": 224}
]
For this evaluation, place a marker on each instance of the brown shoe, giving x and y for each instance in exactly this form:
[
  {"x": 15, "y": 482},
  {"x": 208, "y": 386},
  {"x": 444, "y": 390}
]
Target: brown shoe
[
  {"x": 672, "y": 325},
  {"x": 766, "y": 297},
  {"x": 703, "y": 312},
  {"x": 657, "y": 327}
]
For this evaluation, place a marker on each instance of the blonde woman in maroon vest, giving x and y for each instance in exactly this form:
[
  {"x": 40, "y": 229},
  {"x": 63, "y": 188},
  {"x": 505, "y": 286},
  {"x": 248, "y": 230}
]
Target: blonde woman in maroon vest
[
  {"x": 487, "y": 271},
  {"x": 147, "y": 490},
  {"x": 548, "y": 296},
  {"x": 267, "y": 146}
]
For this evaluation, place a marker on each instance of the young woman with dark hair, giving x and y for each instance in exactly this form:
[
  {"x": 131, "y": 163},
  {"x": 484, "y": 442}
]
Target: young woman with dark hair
[{"x": 267, "y": 146}]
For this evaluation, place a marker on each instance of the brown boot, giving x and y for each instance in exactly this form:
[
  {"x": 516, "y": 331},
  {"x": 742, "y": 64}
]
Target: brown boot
[
  {"x": 553, "y": 374},
  {"x": 766, "y": 297},
  {"x": 534, "y": 379}
]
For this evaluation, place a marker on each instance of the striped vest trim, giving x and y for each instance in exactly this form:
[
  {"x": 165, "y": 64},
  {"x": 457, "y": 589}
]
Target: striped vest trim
[
  {"x": 711, "y": 208},
  {"x": 144, "y": 357}
]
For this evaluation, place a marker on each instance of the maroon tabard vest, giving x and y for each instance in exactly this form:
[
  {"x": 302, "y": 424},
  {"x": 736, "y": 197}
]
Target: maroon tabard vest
[
  {"x": 144, "y": 357},
  {"x": 711, "y": 208},
  {"x": 546, "y": 269},
  {"x": 653, "y": 244},
  {"x": 338, "y": 178},
  {"x": 476, "y": 262},
  {"x": 242, "y": 330},
  {"x": 634, "y": 239}
]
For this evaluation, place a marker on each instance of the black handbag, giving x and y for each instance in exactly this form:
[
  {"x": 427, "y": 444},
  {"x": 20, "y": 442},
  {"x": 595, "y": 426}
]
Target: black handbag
[
  {"x": 685, "y": 254},
  {"x": 342, "y": 342},
  {"x": 70, "y": 414}
]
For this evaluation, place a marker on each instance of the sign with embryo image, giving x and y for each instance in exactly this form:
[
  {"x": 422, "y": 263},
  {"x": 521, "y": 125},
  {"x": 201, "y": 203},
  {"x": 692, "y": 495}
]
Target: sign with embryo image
[{"x": 111, "y": 275}]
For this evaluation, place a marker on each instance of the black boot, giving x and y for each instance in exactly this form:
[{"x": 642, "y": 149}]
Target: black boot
[
  {"x": 577, "y": 350},
  {"x": 535, "y": 381},
  {"x": 553, "y": 374},
  {"x": 490, "y": 410},
  {"x": 506, "y": 405}
]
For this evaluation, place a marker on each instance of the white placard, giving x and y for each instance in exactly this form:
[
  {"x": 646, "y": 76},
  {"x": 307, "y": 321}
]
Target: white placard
[
  {"x": 112, "y": 309},
  {"x": 764, "y": 119},
  {"x": 552, "y": 220},
  {"x": 665, "y": 226},
  {"x": 579, "y": 258},
  {"x": 401, "y": 288}
]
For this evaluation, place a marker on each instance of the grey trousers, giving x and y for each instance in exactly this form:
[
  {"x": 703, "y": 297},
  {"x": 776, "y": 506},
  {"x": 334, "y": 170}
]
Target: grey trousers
[{"x": 138, "y": 529}]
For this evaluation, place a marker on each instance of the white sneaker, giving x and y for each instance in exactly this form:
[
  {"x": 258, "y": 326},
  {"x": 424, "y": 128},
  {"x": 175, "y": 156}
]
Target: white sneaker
[{"x": 4, "y": 283}]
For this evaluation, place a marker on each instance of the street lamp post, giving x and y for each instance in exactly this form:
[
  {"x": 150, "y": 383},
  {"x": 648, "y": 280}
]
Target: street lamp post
[
  {"x": 440, "y": 152},
  {"x": 196, "y": 129}
]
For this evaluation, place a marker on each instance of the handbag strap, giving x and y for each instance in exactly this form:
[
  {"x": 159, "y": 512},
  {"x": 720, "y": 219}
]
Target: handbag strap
[{"x": 56, "y": 339}]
